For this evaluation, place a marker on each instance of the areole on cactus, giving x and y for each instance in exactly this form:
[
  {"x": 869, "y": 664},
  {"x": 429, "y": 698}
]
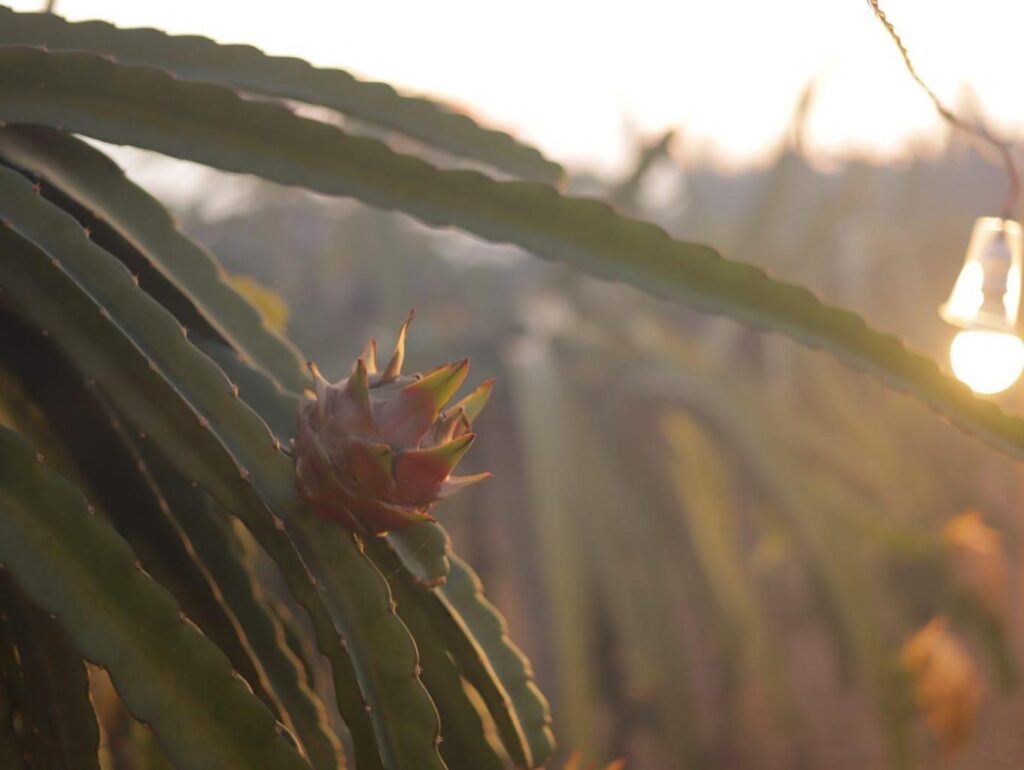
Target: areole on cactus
[{"x": 376, "y": 450}]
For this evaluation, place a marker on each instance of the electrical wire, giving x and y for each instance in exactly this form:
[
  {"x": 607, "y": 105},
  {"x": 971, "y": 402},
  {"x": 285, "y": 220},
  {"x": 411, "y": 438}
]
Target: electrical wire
[{"x": 974, "y": 129}]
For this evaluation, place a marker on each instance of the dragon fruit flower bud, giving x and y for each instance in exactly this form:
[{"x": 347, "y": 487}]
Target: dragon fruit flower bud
[{"x": 376, "y": 450}]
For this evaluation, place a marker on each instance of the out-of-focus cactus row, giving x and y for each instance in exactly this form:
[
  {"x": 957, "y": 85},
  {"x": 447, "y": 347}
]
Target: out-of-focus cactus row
[{"x": 168, "y": 594}]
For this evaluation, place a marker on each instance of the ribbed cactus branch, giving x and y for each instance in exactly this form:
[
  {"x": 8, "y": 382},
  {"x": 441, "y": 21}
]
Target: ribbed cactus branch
[
  {"x": 182, "y": 439},
  {"x": 177, "y": 394},
  {"x": 147, "y": 753},
  {"x": 98, "y": 442},
  {"x": 147, "y": 108},
  {"x": 46, "y": 680},
  {"x": 301, "y": 647},
  {"x": 462, "y": 615},
  {"x": 249, "y": 69},
  {"x": 97, "y": 184},
  {"x": 278, "y": 408},
  {"x": 186, "y": 405},
  {"x": 219, "y": 547},
  {"x": 354, "y": 704},
  {"x": 465, "y": 745},
  {"x": 478, "y": 638},
  {"x": 72, "y": 564},
  {"x": 361, "y": 604},
  {"x": 101, "y": 188},
  {"x": 86, "y": 332},
  {"x": 423, "y": 550}
]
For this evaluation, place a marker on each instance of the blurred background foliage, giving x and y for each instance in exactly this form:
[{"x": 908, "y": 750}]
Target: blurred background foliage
[{"x": 715, "y": 546}]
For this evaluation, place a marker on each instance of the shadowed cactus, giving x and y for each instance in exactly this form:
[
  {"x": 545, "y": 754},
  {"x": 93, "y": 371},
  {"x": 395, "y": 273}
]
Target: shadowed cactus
[{"x": 376, "y": 450}]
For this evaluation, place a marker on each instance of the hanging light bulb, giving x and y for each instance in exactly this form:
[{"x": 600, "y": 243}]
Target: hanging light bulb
[{"x": 985, "y": 302}]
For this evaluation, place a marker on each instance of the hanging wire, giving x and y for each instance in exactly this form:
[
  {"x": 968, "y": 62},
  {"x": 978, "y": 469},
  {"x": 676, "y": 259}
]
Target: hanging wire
[{"x": 974, "y": 129}]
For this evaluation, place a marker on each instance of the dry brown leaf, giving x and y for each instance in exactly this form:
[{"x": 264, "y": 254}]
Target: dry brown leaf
[
  {"x": 979, "y": 562},
  {"x": 946, "y": 683}
]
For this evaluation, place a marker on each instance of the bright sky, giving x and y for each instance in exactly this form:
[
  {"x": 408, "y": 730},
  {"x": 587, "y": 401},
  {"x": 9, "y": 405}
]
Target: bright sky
[{"x": 573, "y": 76}]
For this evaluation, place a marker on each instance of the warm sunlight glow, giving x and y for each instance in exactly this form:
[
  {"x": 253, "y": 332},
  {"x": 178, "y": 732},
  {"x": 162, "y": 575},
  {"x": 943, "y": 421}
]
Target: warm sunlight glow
[
  {"x": 987, "y": 362},
  {"x": 580, "y": 78}
]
